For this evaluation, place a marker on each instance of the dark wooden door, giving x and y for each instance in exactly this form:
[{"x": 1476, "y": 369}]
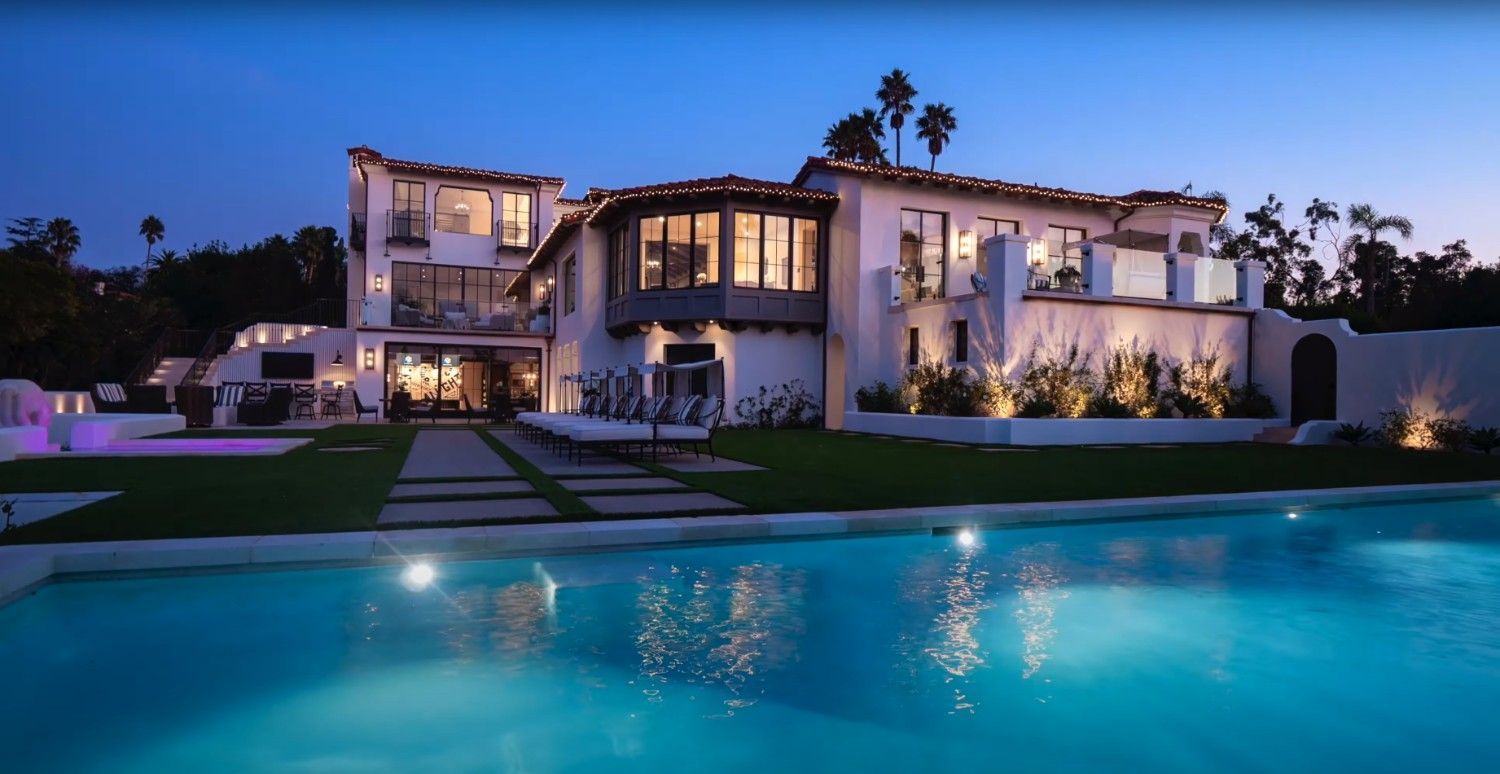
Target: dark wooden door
[{"x": 1314, "y": 379}]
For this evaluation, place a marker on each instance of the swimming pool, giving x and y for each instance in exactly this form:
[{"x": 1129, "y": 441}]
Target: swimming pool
[{"x": 1361, "y": 638}]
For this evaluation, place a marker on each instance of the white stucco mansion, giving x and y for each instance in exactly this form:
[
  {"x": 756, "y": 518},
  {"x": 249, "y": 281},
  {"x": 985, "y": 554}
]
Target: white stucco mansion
[{"x": 475, "y": 285}]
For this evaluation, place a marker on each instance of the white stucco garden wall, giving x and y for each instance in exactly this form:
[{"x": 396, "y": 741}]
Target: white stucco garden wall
[
  {"x": 1443, "y": 372},
  {"x": 1056, "y": 432}
]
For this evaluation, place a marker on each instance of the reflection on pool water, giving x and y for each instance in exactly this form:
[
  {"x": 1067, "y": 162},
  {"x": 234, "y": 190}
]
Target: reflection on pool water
[{"x": 1358, "y": 639}]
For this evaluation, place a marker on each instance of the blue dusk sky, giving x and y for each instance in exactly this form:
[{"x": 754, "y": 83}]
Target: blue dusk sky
[{"x": 232, "y": 124}]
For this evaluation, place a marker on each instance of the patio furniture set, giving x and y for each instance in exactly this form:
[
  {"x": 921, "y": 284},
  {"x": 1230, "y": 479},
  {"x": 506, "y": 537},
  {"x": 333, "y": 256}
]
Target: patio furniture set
[{"x": 627, "y": 424}]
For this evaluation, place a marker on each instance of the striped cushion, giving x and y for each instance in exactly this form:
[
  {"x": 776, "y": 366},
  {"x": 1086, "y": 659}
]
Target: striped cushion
[
  {"x": 110, "y": 392},
  {"x": 689, "y": 413},
  {"x": 230, "y": 395}
]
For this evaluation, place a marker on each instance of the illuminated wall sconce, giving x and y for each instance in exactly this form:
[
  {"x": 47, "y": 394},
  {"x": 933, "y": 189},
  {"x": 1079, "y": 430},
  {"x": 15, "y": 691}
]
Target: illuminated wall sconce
[
  {"x": 1036, "y": 253},
  {"x": 369, "y": 358},
  {"x": 379, "y": 283},
  {"x": 965, "y": 245}
]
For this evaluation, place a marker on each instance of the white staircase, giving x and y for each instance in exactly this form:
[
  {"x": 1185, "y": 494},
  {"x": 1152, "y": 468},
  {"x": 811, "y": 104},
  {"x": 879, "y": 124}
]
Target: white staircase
[
  {"x": 249, "y": 342},
  {"x": 169, "y": 372}
]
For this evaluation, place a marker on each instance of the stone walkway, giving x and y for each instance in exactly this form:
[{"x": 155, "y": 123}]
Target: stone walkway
[
  {"x": 661, "y": 502},
  {"x": 35, "y": 506},
  {"x": 607, "y": 484},
  {"x": 452, "y": 454},
  {"x": 460, "y": 488}
]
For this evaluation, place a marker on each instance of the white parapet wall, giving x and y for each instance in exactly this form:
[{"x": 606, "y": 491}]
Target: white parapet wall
[
  {"x": 1452, "y": 372},
  {"x": 25, "y": 439},
  {"x": 1057, "y": 432},
  {"x": 95, "y": 431}
]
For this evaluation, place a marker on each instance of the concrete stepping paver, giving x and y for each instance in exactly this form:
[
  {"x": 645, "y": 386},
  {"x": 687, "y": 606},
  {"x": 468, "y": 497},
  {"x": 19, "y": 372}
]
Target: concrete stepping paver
[
  {"x": 35, "y": 506},
  {"x": 600, "y": 484},
  {"x": 706, "y": 465},
  {"x": 455, "y": 510},
  {"x": 460, "y": 488},
  {"x": 993, "y": 449},
  {"x": 452, "y": 454},
  {"x": 658, "y": 503},
  {"x": 554, "y": 464}
]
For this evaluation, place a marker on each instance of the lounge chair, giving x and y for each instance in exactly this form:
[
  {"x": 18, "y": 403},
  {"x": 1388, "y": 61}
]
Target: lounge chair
[
  {"x": 693, "y": 424},
  {"x": 110, "y": 398}
]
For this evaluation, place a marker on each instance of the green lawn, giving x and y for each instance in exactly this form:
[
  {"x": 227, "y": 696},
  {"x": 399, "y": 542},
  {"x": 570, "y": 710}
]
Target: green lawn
[{"x": 311, "y": 491}]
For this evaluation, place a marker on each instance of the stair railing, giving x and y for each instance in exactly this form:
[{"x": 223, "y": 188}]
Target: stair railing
[{"x": 172, "y": 341}]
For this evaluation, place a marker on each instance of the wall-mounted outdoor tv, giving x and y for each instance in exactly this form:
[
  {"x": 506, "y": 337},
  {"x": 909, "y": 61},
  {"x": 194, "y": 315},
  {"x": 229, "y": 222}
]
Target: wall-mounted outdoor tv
[{"x": 286, "y": 365}]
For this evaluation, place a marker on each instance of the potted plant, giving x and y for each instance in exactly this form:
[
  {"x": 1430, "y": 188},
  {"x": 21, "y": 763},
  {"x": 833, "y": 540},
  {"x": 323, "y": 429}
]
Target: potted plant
[
  {"x": 543, "y": 321},
  {"x": 1070, "y": 279}
]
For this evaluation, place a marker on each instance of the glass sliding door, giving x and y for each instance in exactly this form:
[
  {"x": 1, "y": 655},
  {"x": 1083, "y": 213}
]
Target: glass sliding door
[{"x": 508, "y": 377}]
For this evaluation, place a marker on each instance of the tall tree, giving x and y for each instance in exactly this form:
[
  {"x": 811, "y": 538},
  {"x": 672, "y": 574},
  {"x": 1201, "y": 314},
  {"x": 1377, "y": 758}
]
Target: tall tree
[
  {"x": 62, "y": 240},
  {"x": 856, "y": 137},
  {"x": 895, "y": 96},
  {"x": 26, "y": 232},
  {"x": 1366, "y": 219},
  {"x": 153, "y": 230},
  {"x": 935, "y": 125}
]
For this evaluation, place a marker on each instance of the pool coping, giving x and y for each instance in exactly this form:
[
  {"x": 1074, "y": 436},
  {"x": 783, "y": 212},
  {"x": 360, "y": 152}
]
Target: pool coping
[{"x": 23, "y": 568}]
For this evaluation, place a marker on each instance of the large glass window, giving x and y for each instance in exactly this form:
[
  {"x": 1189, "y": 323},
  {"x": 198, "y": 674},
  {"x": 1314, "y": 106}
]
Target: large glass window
[
  {"x": 463, "y": 211},
  {"x": 619, "y": 261},
  {"x": 775, "y": 252},
  {"x": 570, "y": 285},
  {"x": 991, "y": 227},
  {"x": 408, "y": 217},
  {"x": 1060, "y": 255},
  {"x": 679, "y": 251},
  {"x": 427, "y": 295},
  {"x": 924, "y": 254},
  {"x": 515, "y": 220}
]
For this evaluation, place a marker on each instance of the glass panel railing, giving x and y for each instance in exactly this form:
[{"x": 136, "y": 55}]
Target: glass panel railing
[
  {"x": 1140, "y": 274},
  {"x": 508, "y": 316},
  {"x": 1215, "y": 282}
]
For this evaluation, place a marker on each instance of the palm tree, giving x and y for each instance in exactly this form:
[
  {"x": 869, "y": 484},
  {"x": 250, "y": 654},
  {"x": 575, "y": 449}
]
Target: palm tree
[
  {"x": 1363, "y": 217},
  {"x": 856, "y": 137},
  {"x": 153, "y": 231},
  {"x": 841, "y": 140},
  {"x": 895, "y": 95},
  {"x": 164, "y": 261},
  {"x": 62, "y": 240},
  {"x": 869, "y": 131},
  {"x": 934, "y": 125}
]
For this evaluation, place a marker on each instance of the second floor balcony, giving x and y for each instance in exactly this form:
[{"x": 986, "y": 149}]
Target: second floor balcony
[
  {"x": 357, "y": 230},
  {"x": 407, "y": 227},
  {"x": 511, "y": 316}
]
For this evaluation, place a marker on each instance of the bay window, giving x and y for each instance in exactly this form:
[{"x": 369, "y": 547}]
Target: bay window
[
  {"x": 775, "y": 252},
  {"x": 679, "y": 251}
]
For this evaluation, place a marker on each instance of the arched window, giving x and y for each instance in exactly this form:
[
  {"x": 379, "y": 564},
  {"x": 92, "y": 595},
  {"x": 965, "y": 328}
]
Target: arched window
[{"x": 464, "y": 211}]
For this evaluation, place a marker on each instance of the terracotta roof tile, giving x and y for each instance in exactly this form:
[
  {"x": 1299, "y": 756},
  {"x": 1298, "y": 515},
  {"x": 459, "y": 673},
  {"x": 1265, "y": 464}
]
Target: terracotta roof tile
[
  {"x": 365, "y": 155},
  {"x": 921, "y": 176},
  {"x": 726, "y": 184},
  {"x": 556, "y": 235}
]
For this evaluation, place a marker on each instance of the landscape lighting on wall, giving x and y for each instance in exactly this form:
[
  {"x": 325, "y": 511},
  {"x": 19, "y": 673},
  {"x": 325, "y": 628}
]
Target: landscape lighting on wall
[
  {"x": 379, "y": 283},
  {"x": 369, "y": 358},
  {"x": 965, "y": 245},
  {"x": 1036, "y": 253}
]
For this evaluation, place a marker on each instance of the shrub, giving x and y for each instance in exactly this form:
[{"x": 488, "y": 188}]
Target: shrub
[
  {"x": 1353, "y": 435},
  {"x": 786, "y": 406},
  {"x": 1403, "y": 427},
  {"x": 879, "y": 398},
  {"x": 1200, "y": 387},
  {"x": 1247, "y": 400},
  {"x": 1105, "y": 406},
  {"x": 1448, "y": 433},
  {"x": 1132, "y": 380},
  {"x": 951, "y": 392},
  {"x": 1035, "y": 407},
  {"x": 1412, "y": 429},
  {"x": 1485, "y": 439},
  {"x": 1064, "y": 382}
]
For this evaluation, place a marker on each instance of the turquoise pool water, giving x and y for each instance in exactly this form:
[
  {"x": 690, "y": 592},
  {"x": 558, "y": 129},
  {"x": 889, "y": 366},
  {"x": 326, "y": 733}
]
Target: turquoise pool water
[{"x": 1359, "y": 639}]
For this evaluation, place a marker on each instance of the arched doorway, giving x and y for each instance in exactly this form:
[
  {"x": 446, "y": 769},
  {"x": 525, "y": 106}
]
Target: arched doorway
[
  {"x": 833, "y": 386},
  {"x": 1315, "y": 369}
]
